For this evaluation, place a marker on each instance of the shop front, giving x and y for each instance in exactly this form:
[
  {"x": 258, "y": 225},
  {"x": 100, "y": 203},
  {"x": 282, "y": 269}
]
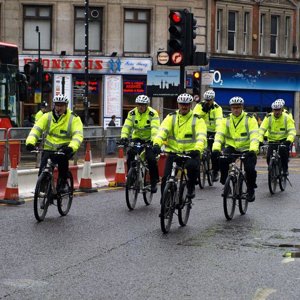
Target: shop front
[
  {"x": 258, "y": 82},
  {"x": 114, "y": 83}
]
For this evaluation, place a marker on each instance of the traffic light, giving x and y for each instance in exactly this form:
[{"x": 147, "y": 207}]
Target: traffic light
[
  {"x": 190, "y": 36},
  {"x": 197, "y": 83},
  {"x": 31, "y": 70},
  {"x": 47, "y": 82},
  {"x": 177, "y": 40}
]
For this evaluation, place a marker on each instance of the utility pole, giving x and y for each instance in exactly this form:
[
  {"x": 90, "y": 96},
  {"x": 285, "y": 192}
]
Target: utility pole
[{"x": 86, "y": 65}]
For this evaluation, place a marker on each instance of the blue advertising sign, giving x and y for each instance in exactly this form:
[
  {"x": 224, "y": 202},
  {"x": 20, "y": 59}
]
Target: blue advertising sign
[
  {"x": 244, "y": 74},
  {"x": 163, "y": 83}
]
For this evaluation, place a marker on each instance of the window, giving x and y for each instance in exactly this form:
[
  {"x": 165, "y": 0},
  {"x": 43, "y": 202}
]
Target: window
[
  {"x": 219, "y": 32},
  {"x": 95, "y": 29},
  {"x": 274, "y": 35},
  {"x": 262, "y": 34},
  {"x": 136, "y": 30},
  {"x": 246, "y": 32},
  {"x": 231, "y": 45},
  {"x": 287, "y": 36},
  {"x": 34, "y": 16}
]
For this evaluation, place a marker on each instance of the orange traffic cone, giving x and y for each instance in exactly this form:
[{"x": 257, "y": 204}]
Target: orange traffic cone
[
  {"x": 86, "y": 180},
  {"x": 11, "y": 194},
  {"x": 293, "y": 151},
  {"x": 120, "y": 178}
]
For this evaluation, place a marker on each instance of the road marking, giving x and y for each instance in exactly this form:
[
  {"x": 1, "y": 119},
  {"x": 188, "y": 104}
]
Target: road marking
[
  {"x": 263, "y": 293},
  {"x": 23, "y": 283},
  {"x": 287, "y": 260}
]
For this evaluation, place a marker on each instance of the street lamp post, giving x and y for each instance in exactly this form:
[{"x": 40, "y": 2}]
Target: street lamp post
[
  {"x": 86, "y": 65},
  {"x": 39, "y": 57}
]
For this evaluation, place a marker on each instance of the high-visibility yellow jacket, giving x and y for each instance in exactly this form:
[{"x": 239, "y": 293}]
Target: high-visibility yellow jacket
[
  {"x": 182, "y": 133},
  {"x": 38, "y": 115},
  {"x": 240, "y": 132},
  {"x": 141, "y": 126},
  {"x": 66, "y": 131},
  {"x": 277, "y": 129},
  {"x": 212, "y": 118}
]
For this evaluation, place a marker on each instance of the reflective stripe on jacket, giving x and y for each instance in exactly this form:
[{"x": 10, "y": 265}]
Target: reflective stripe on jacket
[
  {"x": 182, "y": 133},
  {"x": 240, "y": 132},
  {"x": 277, "y": 129},
  {"x": 66, "y": 131},
  {"x": 141, "y": 126}
]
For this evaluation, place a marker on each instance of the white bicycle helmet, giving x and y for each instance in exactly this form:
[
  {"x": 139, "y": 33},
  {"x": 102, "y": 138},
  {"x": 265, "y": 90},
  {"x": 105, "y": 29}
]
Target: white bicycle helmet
[
  {"x": 142, "y": 99},
  {"x": 185, "y": 98},
  {"x": 236, "y": 100},
  {"x": 281, "y": 101},
  {"x": 209, "y": 95},
  {"x": 60, "y": 99},
  {"x": 277, "y": 104}
]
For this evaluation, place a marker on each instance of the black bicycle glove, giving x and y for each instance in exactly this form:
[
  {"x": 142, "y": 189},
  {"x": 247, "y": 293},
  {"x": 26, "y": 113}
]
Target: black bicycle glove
[
  {"x": 123, "y": 141},
  {"x": 30, "y": 147},
  {"x": 156, "y": 149},
  {"x": 195, "y": 153},
  {"x": 67, "y": 150},
  {"x": 287, "y": 143},
  {"x": 251, "y": 154}
]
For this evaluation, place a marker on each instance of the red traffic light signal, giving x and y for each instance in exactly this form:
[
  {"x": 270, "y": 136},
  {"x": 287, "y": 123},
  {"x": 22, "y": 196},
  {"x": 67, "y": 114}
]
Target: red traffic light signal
[
  {"x": 47, "y": 82},
  {"x": 176, "y": 16},
  {"x": 46, "y": 77}
]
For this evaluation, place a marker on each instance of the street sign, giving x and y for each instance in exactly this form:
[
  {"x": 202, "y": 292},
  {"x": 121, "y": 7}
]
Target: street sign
[
  {"x": 177, "y": 58},
  {"x": 162, "y": 58}
]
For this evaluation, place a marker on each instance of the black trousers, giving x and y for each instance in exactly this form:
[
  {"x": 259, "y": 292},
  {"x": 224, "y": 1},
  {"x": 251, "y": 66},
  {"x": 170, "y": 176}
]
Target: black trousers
[
  {"x": 249, "y": 166},
  {"x": 151, "y": 161},
  {"x": 284, "y": 153},
  {"x": 191, "y": 165},
  {"x": 214, "y": 156},
  {"x": 61, "y": 160}
]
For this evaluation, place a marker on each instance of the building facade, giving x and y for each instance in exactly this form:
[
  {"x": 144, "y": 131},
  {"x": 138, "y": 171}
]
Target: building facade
[{"x": 124, "y": 38}]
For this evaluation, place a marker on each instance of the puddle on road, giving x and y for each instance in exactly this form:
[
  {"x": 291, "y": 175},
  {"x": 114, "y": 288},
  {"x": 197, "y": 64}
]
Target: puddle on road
[{"x": 235, "y": 237}]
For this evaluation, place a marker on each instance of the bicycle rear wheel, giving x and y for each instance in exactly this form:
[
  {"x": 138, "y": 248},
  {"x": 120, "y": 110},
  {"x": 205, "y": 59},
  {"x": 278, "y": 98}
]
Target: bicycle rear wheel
[
  {"x": 132, "y": 189},
  {"x": 167, "y": 207},
  {"x": 272, "y": 177},
  {"x": 147, "y": 195},
  {"x": 41, "y": 193},
  {"x": 65, "y": 200},
  {"x": 184, "y": 204},
  {"x": 229, "y": 198},
  {"x": 202, "y": 174},
  {"x": 243, "y": 202}
]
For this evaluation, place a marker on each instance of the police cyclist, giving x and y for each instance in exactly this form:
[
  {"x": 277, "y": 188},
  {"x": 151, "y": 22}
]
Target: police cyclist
[
  {"x": 141, "y": 125},
  {"x": 63, "y": 131},
  {"x": 280, "y": 128},
  {"x": 43, "y": 109},
  {"x": 212, "y": 113},
  {"x": 182, "y": 131},
  {"x": 239, "y": 133}
]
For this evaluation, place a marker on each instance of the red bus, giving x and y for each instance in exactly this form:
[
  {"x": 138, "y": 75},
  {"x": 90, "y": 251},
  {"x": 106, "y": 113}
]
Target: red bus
[{"x": 13, "y": 86}]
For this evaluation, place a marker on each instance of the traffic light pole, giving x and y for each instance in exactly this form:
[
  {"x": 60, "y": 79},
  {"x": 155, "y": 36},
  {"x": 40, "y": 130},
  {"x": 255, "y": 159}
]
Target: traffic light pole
[{"x": 182, "y": 79}]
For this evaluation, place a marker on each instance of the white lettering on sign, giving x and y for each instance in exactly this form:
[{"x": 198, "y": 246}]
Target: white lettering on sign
[{"x": 217, "y": 77}]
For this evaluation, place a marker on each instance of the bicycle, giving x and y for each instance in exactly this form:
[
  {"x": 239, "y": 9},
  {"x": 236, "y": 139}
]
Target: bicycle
[
  {"x": 206, "y": 171},
  {"x": 171, "y": 200},
  {"x": 235, "y": 188},
  {"x": 275, "y": 171},
  {"x": 138, "y": 178},
  {"x": 47, "y": 191}
]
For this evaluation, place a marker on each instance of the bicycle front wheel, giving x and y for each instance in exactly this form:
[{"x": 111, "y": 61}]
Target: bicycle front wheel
[
  {"x": 147, "y": 195},
  {"x": 41, "y": 193},
  {"x": 272, "y": 177},
  {"x": 229, "y": 198},
  {"x": 243, "y": 202},
  {"x": 167, "y": 207},
  {"x": 132, "y": 189},
  {"x": 202, "y": 174},
  {"x": 209, "y": 171},
  {"x": 65, "y": 200},
  {"x": 184, "y": 204}
]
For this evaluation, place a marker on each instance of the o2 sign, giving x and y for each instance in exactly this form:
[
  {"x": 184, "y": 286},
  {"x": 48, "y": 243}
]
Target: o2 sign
[{"x": 217, "y": 77}]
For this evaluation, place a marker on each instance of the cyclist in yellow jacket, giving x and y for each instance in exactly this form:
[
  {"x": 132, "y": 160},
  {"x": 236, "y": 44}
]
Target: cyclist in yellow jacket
[
  {"x": 44, "y": 109},
  {"x": 141, "y": 125},
  {"x": 239, "y": 133},
  {"x": 183, "y": 131},
  {"x": 281, "y": 129},
  {"x": 212, "y": 113},
  {"x": 63, "y": 131}
]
